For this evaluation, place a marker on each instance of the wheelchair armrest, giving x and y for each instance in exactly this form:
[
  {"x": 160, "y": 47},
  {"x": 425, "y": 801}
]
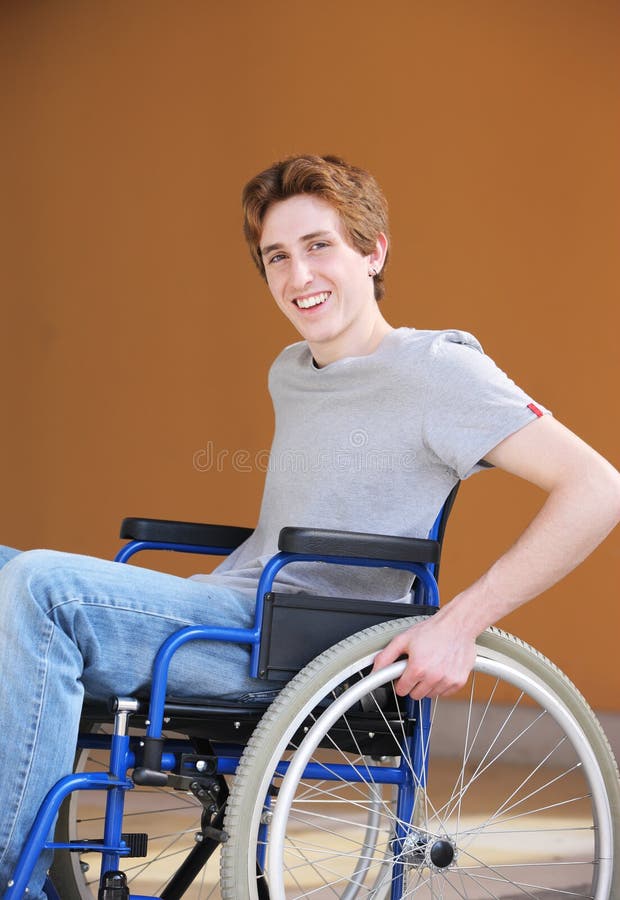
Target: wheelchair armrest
[
  {"x": 325, "y": 542},
  {"x": 169, "y": 531}
]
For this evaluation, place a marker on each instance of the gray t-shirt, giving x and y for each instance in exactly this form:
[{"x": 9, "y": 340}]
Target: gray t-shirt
[{"x": 374, "y": 443}]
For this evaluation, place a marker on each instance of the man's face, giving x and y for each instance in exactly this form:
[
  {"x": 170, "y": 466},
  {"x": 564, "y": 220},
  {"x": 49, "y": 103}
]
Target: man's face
[{"x": 319, "y": 281}]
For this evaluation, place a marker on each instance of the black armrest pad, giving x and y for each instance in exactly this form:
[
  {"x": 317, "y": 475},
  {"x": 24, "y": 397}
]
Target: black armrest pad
[
  {"x": 324, "y": 542},
  {"x": 225, "y": 536}
]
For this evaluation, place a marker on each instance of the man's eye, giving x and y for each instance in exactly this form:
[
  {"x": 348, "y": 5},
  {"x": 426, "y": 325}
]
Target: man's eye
[
  {"x": 318, "y": 245},
  {"x": 276, "y": 258}
]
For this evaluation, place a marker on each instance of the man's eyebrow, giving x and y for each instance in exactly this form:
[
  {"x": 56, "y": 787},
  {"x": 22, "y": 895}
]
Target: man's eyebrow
[{"x": 305, "y": 237}]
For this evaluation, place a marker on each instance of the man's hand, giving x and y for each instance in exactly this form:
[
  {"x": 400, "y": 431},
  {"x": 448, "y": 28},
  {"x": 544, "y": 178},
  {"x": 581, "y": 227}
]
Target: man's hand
[{"x": 439, "y": 659}]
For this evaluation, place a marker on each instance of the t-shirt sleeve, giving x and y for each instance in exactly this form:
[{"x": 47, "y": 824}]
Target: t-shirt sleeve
[{"x": 470, "y": 404}]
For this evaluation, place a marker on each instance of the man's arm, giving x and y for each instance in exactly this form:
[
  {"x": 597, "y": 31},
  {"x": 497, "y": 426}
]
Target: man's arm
[{"x": 582, "y": 507}]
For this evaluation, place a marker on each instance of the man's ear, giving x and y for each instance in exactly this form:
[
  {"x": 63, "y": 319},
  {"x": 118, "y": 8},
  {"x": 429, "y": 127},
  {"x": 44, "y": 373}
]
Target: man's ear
[{"x": 377, "y": 257}]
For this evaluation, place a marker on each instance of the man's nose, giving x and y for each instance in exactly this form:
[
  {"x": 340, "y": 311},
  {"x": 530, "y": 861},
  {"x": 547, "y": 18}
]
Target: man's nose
[{"x": 301, "y": 272}]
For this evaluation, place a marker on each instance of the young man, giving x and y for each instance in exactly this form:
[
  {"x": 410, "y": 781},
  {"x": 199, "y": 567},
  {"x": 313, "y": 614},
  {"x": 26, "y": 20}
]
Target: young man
[
  {"x": 428, "y": 405},
  {"x": 317, "y": 229}
]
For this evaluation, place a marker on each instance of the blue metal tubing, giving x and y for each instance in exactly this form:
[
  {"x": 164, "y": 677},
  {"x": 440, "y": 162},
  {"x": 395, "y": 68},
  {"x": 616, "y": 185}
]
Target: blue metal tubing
[
  {"x": 37, "y": 839},
  {"x": 169, "y": 648},
  {"x": 412, "y": 779},
  {"x": 344, "y": 772},
  {"x": 168, "y": 760},
  {"x": 421, "y": 740},
  {"x": 104, "y": 742},
  {"x": 132, "y": 547},
  {"x": 227, "y": 765},
  {"x": 115, "y": 805}
]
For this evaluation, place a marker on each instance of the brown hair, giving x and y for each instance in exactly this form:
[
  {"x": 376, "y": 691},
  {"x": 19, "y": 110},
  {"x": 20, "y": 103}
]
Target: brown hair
[{"x": 353, "y": 193}]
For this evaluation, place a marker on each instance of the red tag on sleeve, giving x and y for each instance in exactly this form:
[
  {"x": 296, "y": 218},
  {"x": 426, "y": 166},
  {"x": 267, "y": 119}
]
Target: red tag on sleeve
[{"x": 537, "y": 412}]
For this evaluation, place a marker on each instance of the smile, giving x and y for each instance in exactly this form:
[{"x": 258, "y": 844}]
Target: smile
[{"x": 315, "y": 300}]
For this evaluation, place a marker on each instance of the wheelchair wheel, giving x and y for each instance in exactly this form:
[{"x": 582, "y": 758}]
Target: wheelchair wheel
[
  {"x": 170, "y": 818},
  {"x": 521, "y": 797}
]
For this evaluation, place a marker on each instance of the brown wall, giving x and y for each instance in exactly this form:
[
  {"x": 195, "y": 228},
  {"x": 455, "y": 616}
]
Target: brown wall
[{"x": 134, "y": 329}]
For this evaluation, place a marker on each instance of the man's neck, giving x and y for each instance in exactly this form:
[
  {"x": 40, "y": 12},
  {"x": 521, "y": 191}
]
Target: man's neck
[{"x": 361, "y": 343}]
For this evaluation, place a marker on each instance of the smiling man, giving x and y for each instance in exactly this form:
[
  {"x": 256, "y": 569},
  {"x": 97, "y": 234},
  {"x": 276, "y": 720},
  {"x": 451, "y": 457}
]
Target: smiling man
[
  {"x": 318, "y": 231},
  {"x": 429, "y": 405}
]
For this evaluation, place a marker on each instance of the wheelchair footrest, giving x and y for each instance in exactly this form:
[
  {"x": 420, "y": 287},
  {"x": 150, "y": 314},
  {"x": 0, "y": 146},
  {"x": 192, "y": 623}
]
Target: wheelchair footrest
[{"x": 136, "y": 844}]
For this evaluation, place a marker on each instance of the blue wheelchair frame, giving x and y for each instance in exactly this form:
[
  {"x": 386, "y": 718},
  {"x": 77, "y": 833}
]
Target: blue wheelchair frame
[{"x": 157, "y": 759}]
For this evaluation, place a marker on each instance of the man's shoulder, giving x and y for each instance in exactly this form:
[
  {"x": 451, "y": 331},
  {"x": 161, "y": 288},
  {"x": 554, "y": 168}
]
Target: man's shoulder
[
  {"x": 292, "y": 357},
  {"x": 425, "y": 343},
  {"x": 292, "y": 353},
  {"x": 402, "y": 347}
]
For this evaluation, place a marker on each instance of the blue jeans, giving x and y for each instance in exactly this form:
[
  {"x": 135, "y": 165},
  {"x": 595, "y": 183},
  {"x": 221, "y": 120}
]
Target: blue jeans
[{"x": 74, "y": 626}]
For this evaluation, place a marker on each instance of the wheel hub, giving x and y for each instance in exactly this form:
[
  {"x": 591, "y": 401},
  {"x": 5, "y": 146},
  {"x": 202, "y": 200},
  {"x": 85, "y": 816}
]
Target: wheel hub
[
  {"x": 442, "y": 854},
  {"x": 420, "y": 849}
]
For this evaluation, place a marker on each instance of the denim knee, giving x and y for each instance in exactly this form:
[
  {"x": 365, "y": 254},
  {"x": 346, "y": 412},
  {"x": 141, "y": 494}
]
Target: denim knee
[{"x": 31, "y": 574}]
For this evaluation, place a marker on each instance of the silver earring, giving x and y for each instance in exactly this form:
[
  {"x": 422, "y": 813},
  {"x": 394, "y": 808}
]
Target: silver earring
[{"x": 372, "y": 272}]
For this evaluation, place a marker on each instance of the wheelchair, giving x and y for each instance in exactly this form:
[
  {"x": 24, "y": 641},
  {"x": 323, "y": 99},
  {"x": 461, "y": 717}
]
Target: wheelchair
[{"x": 337, "y": 787}]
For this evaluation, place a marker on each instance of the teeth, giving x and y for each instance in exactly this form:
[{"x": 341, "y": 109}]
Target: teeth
[{"x": 307, "y": 302}]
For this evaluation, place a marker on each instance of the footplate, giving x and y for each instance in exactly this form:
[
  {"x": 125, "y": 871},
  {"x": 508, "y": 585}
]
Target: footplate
[{"x": 136, "y": 844}]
